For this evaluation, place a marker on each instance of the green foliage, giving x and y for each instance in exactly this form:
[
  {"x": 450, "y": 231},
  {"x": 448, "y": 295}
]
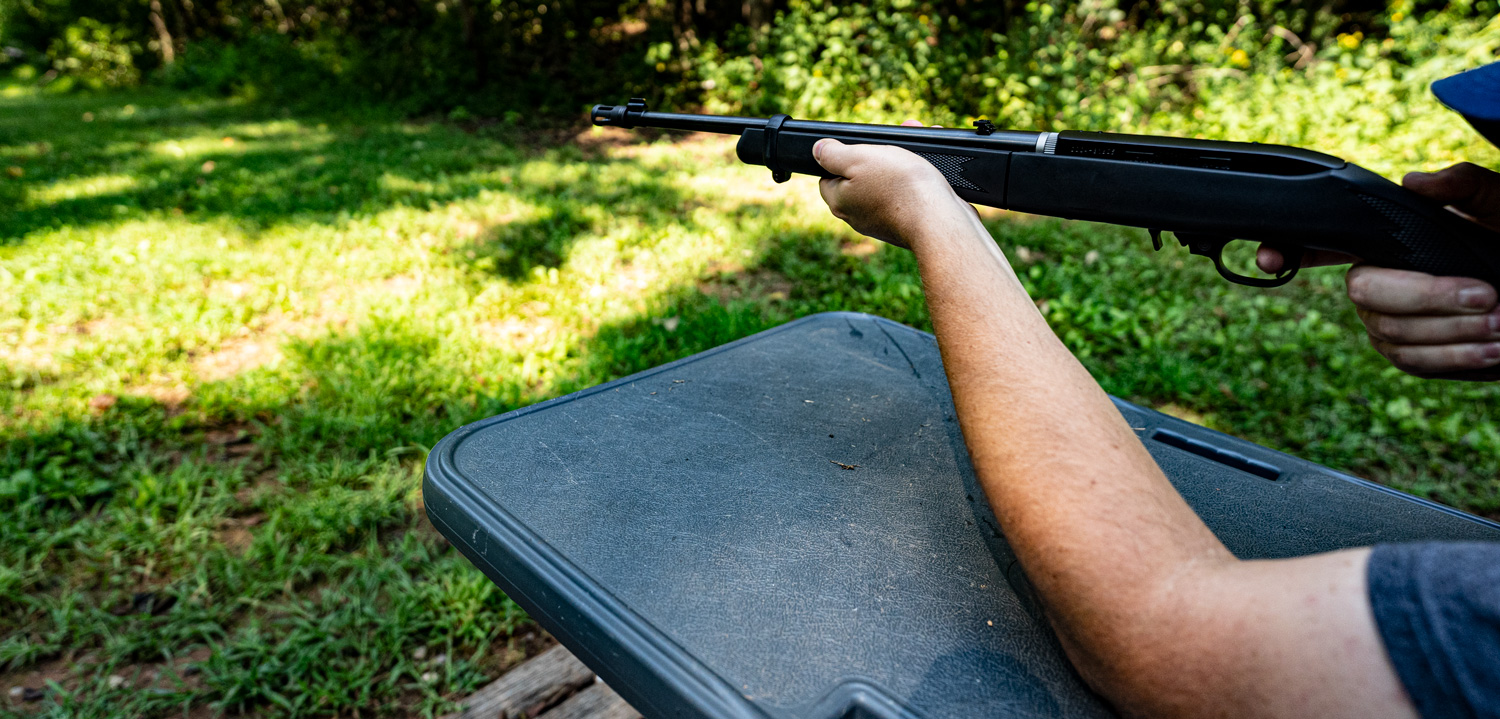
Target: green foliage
[
  {"x": 1098, "y": 64},
  {"x": 1095, "y": 65},
  {"x": 94, "y": 54},
  {"x": 85, "y": 44},
  {"x": 415, "y": 56}
]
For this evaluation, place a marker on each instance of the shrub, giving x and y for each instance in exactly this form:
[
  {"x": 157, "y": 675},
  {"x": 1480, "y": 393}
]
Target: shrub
[{"x": 1097, "y": 63}]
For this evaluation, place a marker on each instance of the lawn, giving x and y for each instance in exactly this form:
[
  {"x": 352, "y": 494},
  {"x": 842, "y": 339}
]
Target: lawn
[{"x": 230, "y": 332}]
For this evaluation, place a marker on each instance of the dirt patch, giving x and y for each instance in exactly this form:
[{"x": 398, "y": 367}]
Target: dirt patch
[
  {"x": 99, "y": 326},
  {"x": 762, "y": 285},
  {"x": 26, "y": 690},
  {"x": 236, "y": 357},
  {"x": 603, "y": 140},
  {"x": 699, "y": 146},
  {"x": 99, "y": 403},
  {"x": 758, "y": 192},
  {"x": 233, "y": 434},
  {"x": 628, "y": 279},
  {"x": 181, "y": 674},
  {"x": 467, "y": 229},
  {"x": 33, "y": 352},
  {"x": 264, "y": 483},
  {"x": 28, "y": 687},
  {"x": 861, "y": 248},
  {"x": 517, "y": 332},
  {"x": 171, "y": 395},
  {"x": 26, "y": 357},
  {"x": 232, "y": 442},
  {"x": 261, "y": 347},
  {"x": 518, "y": 648},
  {"x": 423, "y": 527},
  {"x": 236, "y": 533},
  {"x": 41, "y": 351}
]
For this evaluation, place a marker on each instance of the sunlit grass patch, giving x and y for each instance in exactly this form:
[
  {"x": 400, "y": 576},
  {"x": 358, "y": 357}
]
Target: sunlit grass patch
[{"x": 73, "y": 189}]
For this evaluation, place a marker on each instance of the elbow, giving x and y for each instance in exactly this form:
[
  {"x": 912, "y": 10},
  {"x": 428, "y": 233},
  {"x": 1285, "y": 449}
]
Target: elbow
[
  {"x": 1150, "y": 681},
  {"x": 1154, "y": 658}
]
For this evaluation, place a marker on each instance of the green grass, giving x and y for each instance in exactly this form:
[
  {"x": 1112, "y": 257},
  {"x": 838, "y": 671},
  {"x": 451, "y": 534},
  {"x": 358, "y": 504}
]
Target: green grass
[{"x": 218, "y": 381}]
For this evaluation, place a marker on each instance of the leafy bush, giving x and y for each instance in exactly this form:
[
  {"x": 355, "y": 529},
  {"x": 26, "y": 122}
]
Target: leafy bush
[
  {"x": 94, "y": 54},
  {"x": 1095, "y": 65},
  {"x": 417, "y": 56},
  {"x": 1098, "y": 63}
]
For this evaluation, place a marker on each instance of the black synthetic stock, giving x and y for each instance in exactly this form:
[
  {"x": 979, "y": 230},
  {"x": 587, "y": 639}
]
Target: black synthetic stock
[{"x": 1207, "y": 192}]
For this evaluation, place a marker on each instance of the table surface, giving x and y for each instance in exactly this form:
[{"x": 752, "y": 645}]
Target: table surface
[{"x": 788, "y": 526}]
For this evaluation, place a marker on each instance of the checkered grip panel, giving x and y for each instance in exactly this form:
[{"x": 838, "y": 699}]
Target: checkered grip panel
[
  {"x": 1423, "y": 242},
  {"x": 952, "y": 167}
]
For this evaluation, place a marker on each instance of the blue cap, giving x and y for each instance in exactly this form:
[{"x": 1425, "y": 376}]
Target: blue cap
[{"x": 1475, "y": 94}]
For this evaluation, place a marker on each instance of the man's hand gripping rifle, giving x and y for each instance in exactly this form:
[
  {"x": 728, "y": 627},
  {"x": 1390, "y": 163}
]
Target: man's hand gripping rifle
[{"x": 1207, "y": 193}]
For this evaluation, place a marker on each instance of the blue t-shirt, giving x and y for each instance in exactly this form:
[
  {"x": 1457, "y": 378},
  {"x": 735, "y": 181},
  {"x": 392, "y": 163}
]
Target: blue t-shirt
[{"x": 1437, "y": 606}]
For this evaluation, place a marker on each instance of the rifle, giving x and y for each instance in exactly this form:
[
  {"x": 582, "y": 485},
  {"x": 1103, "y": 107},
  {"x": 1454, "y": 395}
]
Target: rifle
[{"x": 1208, "y": 193}]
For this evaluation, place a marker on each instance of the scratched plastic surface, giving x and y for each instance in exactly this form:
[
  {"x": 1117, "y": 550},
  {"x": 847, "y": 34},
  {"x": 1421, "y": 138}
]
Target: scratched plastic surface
[{"x": 789, "y": 527}]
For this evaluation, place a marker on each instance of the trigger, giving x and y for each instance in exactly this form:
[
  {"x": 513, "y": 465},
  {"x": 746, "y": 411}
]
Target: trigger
[
  {"x": 1211, "y": 246},
  {"x": 1155, "y": 238}
]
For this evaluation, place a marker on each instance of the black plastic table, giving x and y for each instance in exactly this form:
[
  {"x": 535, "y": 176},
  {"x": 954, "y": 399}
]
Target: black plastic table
[{"x": 789, "y": 526}]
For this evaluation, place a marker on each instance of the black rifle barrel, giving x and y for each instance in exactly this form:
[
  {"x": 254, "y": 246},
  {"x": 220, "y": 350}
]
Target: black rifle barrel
[{"x": 631, "y": 116}]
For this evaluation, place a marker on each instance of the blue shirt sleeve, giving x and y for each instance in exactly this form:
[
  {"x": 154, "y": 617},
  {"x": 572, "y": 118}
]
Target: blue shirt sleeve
[{"x": 1437, "y": 607}]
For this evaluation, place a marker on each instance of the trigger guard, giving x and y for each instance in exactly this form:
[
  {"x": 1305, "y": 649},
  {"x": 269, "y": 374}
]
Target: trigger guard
[{"x": 1212, "y": 247}]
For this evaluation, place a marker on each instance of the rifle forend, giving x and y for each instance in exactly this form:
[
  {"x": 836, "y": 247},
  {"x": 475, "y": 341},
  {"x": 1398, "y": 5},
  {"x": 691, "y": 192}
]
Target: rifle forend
[{"x": 1208, "y": 193}]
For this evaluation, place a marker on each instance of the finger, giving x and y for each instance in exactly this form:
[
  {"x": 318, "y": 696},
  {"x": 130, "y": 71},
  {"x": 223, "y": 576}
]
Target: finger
[
  {"x": 835, "y": 156},
  {"x": 1270, "y": 259},
  {"x": 1459, "y": 184},
  {"x": 912, "y": 123},
  {"x": 1450, "y": 329},
  {"x": 1438, "y": 359},
  {"x": 1399, "y": 292},
  {"x": 829, "y": 188},
  {"x": 1470, "y": 188},
  {"x": 844, "y": 160}
]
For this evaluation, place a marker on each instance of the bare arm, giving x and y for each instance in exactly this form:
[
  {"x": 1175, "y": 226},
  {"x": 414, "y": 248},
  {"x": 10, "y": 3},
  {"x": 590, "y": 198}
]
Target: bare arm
[{"x": 1152, "y": 609}]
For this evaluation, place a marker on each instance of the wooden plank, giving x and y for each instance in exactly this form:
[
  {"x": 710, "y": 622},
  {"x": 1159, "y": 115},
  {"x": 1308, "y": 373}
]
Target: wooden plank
[
  {"x": 529, "y": 689},
  {"x": 596, "y": 702}
]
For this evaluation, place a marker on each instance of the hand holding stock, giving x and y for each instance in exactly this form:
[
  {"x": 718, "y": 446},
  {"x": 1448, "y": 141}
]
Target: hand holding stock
[
  {"x": 884, "y": 192},
  {"x": 1426, "y": 325}
]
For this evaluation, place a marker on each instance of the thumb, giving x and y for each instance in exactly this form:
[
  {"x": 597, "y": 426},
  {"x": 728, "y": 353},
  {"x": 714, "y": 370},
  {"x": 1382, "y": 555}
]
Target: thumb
[
  {"x": 1472, "y": 189},
  {"x": 834, "y": 156},
  {"x": 1458, "y": 185}
]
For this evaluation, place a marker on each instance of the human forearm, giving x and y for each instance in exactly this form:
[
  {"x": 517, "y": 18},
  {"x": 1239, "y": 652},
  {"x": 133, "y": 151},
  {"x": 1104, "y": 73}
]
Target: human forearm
[
  {"x": 1152, "y": 609},
  {"x": 1089, "y": 514}
]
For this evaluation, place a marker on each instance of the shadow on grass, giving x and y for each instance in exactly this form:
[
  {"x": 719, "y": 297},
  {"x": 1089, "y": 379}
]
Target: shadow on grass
[
  {"x": 257, "y": 168},
  {"x": 337, "y": 585}
]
